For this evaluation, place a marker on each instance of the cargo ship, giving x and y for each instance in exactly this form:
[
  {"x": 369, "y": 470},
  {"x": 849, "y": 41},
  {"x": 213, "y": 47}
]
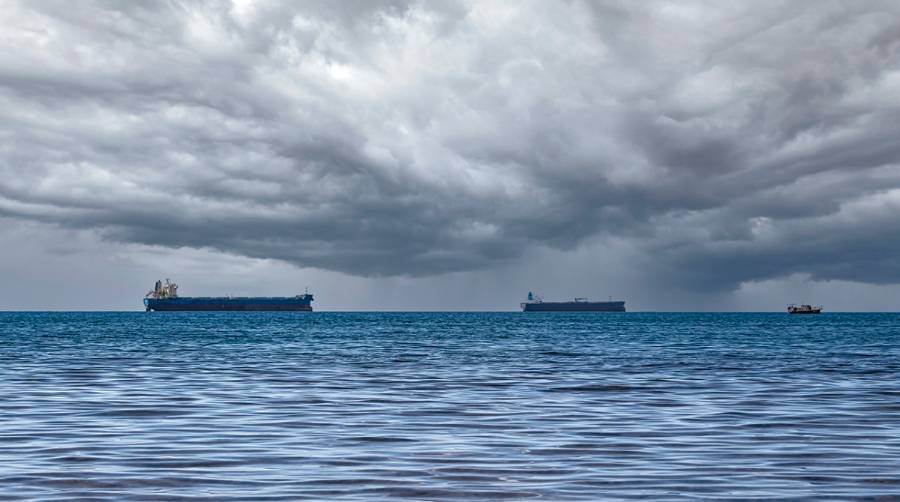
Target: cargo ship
[
  {"x": 804, "y": 309},
  {"x": 537, "y": 304},
  {"x": 164, "y": 297}
]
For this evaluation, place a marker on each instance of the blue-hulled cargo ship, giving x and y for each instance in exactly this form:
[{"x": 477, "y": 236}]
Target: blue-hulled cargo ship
[
  {"x": 164, "y": 297},
  {"x": 537, "y": 304}
]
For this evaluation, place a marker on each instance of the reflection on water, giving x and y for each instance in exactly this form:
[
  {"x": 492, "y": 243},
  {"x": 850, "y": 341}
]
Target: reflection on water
[{"x": 448, "y": 406}]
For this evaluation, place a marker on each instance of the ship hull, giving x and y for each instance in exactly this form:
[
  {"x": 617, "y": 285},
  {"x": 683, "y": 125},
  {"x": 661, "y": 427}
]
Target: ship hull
[
  {"x": 574, "y": 307},
  {"x": 226, "y": 304}
]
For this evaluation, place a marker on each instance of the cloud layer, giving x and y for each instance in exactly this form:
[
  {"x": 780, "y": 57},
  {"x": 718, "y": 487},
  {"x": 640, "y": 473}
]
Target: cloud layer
[{"x": 725, "y": 142}]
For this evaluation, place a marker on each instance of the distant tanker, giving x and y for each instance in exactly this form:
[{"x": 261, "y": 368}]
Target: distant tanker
[
  {"x": 164, "y": 297},
  {"x": 537, "y": 304}
]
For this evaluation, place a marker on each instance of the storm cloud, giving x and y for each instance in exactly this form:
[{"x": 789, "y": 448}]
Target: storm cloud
[{"x": 725, "y": 142}]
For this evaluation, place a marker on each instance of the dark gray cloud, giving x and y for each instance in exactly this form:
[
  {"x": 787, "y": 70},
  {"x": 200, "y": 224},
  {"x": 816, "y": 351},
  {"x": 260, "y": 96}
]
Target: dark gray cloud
[{"x": 726, "y": 142}]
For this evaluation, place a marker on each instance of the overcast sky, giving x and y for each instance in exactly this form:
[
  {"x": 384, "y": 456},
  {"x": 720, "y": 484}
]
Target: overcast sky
[{"x": 452, "y": 155}]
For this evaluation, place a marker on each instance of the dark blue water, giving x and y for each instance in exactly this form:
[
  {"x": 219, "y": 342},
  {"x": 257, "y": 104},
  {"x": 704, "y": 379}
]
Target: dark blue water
[{"x": 377, "y": 406}]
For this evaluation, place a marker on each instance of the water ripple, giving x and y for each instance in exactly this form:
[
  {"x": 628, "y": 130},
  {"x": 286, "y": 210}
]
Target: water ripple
[{"x": 375, "y": 406}]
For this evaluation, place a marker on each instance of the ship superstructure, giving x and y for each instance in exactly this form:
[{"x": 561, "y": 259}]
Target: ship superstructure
[
  {"x": 164, "y": 297},
  {"x": 536, "y": 303}
]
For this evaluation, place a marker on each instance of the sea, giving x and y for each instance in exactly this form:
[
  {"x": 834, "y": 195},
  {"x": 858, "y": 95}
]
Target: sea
[{"x": 449, "y": 406}]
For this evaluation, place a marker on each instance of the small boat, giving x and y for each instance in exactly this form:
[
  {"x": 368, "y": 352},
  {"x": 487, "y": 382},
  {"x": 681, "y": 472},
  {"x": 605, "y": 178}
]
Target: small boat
[{"x": 804, "y": 309}]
